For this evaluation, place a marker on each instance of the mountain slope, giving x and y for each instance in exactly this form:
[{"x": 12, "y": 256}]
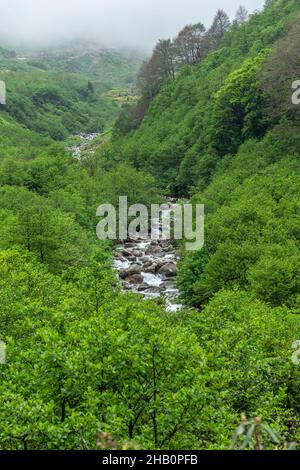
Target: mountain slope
[
  {"x": 112, "y": 67},
  {"x": 57, "y": 95},
  {"x": 225, "y": 133},
  {"x": 209, "y": 109}
]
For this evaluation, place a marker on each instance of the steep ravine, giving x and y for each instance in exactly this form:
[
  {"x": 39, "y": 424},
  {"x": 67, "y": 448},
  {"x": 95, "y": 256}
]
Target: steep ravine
[{"x": 147, "y": 267}]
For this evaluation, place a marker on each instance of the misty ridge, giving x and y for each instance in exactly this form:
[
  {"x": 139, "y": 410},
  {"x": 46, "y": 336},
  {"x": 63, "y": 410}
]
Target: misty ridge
[{"x": 120, "y": 24}]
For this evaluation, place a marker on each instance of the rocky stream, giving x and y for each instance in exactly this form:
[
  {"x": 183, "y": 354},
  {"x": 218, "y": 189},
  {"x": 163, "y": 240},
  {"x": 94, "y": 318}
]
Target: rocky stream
[{"x": 147, "y": 267}]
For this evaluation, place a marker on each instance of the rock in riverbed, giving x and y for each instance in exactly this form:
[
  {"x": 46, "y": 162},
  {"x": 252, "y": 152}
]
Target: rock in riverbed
[
  {"x": 135, "y": 279},
  {"x": 131, "y": 271},
  {"x": 151, "y": 269},
  {"x": 168, "y": 270}
]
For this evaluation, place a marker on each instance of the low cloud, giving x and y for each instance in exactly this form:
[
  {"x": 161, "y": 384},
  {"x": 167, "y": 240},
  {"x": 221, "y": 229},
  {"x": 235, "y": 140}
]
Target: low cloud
[{"x": 115, "y": 23}]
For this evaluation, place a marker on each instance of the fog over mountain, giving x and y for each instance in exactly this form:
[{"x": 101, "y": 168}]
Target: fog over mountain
[{"x": 114, "y": 23}]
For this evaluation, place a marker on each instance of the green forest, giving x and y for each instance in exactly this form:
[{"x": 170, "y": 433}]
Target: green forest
[
  {"x": 58, "y": 92},
  {"x": 207, "y": 118}
]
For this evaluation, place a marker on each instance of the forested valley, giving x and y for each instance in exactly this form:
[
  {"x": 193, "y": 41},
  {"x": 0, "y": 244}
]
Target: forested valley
[{"x": 207, "y": 118}]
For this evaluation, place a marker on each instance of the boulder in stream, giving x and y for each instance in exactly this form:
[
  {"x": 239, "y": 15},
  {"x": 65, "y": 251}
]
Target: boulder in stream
[
  {"x": 131, "y": 271},
  {"x": 135, "y": 279},
  {"x": 126, "y": 253},
  {"x": 137, "y": 253},
  {"x": 151, "y": 269},
  {"x": 168, "y": 270},
  {"x": 161, "y": 262}
]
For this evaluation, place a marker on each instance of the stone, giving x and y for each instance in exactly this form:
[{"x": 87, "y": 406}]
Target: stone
[
  {"x": 132, "y": 270},
  {"x": 134, "y": 279},
  {"x": 126, "y": 286},
  {"x": 129, "y": 245},
  {"x": 154, "y": 290},
  {"x": 126, "y": 253},
  {"x": 121, "y": 258},
  {"x": 148, "y": 263},
  {"x": 168, "y": 249},
  {"x": 151, "y": 269},
  {"x": 168, "y": 270},
  {"x": 137, "y": 253},
  {"x": 160, "y": 262},
  {"x": 153, "y": 250},
  {"x": 142, "y": 288}
]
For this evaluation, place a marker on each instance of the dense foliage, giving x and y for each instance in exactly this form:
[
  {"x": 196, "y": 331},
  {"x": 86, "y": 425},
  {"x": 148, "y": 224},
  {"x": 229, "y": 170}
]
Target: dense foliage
[
  {"x": 209, "y": 109},
  {"x": 53, "y": 95},
  {"x": 83, "y": 357}
]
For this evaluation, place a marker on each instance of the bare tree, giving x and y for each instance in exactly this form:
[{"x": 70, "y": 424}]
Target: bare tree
[
  {"x": 241, "y": 15},
  {"x": 159, "y": 68},
  {"x": 279, "y": 72},
  {"x": 188, "y": 44},
  {"x": 165, "y": 55},
  {"x": 191, "y": 46},
  {"x": 218, "y": 28}
]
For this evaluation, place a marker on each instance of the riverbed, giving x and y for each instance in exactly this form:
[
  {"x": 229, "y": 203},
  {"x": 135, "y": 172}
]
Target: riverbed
[{"x": 149, "y": 267}]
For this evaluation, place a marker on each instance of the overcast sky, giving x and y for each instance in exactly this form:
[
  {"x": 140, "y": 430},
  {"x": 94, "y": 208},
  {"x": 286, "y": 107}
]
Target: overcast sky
[{"x": 130, "y": 23}]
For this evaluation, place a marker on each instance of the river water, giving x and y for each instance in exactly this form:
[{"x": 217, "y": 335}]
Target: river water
[{"x": 83, "y": 146}]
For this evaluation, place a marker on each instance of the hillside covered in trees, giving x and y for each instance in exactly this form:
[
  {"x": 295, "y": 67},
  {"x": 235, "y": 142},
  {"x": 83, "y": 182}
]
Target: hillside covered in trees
[
  {"x": 224, "y": 132},
  {"x": 90, "y": 366},
  {"x": 66, "y": 90}
]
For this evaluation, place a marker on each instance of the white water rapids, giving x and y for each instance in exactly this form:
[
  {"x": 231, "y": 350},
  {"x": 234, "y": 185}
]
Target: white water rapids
[{"x": 148, "y": 267}]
